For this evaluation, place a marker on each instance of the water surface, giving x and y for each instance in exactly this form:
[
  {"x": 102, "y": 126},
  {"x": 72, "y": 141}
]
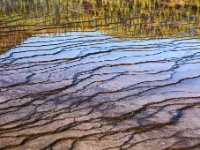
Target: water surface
[{"x": 99, "y": 75}]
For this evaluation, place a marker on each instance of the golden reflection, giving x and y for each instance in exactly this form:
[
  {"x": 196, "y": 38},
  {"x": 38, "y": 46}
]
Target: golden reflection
[{"x": 21, "y": 19}]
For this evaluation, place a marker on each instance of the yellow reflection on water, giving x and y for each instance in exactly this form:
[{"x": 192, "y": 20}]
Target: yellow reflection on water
[{"x": 21, "y": 19}]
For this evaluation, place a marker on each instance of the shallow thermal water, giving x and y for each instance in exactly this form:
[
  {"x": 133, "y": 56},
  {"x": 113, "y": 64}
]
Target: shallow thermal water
[
  {"x": 92, "y": 91},
  {"x": 95, "y": 90}
]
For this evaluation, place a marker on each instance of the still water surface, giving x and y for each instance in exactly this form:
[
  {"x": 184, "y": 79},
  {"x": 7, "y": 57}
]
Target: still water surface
[{"x": 99, "y": 75}]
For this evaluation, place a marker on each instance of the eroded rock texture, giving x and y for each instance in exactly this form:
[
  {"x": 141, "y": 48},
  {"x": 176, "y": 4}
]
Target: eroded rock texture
[{"x": 90, "y": 91}]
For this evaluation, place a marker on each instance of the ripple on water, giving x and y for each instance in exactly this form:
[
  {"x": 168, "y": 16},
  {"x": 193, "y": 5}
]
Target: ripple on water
[{"x": 90, "y": 90}]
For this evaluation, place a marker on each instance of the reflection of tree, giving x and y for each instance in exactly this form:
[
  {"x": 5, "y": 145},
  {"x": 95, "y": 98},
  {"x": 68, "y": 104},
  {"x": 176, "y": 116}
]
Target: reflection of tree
[{"x": 144, "y": 18}]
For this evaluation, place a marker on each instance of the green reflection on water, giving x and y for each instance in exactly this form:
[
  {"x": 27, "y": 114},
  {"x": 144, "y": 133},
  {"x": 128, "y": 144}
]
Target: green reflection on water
[{"x": 21, "y": 19}]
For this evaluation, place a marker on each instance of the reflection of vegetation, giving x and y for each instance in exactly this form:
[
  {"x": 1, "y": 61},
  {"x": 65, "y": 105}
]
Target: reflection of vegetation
[{"x": 129, "y": 18}]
